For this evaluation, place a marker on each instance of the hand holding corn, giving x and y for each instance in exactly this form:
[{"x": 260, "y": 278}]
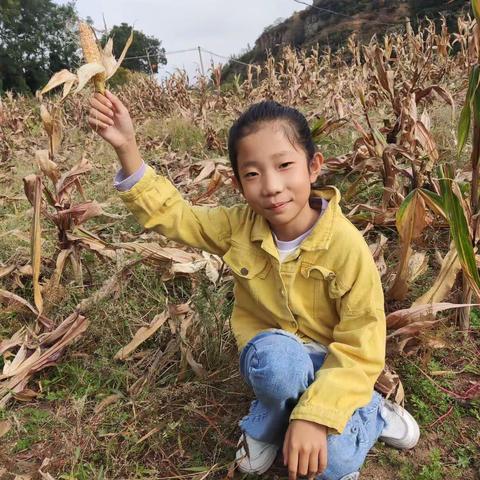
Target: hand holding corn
[{"x": 109, "y": 117}]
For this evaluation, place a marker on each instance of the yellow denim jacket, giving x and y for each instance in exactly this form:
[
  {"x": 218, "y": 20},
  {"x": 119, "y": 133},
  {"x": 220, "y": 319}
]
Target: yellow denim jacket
[{"x": 329, "y": 291}]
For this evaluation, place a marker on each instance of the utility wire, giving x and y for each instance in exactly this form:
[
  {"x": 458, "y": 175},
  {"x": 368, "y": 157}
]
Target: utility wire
[
  {"x": 194, "y": 50},
  {"x": 166, "y": 53},
  {"x": 322, "y": 9},
  {"x": 226, "y": 58}
]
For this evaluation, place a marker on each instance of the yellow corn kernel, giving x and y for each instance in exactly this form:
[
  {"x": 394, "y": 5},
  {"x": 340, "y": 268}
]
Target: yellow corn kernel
[{"x": 92, "y": 54}]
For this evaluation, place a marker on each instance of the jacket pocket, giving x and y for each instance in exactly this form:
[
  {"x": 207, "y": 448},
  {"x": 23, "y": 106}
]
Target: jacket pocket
[
  {"x": 246, "y": 264},
  {"x": 325, "y": 276}
]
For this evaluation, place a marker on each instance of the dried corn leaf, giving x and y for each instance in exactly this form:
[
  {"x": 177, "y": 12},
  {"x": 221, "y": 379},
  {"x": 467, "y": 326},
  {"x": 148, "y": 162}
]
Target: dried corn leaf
[
  {"x": 411, "y": 220},
  {"x": 408, "y": 315},
  {"x": 5, "y": 271},
  {"x": 18, "y": 338},
  {"x": 53, "y": 126},
  {"x": 413, "y": 329},
  {"x": 417, "y": 265},
  {"x": 108, "y": 288},
  {"x": 86, "y": 72},
  {"x": 390, "y": 385},
  {"x": 425, "y": 138},
  {"x": 156, "y": 252},
  {"x": 49, "y": 168},
  {"x": 377, "y": 250},
  {"x": 13, "y": 302},
  {"x": 81, "y": 212},
  {"x": 16, "y": 383},
  {"x": 19, "y": 363},
  {"x": 25, "y": 395},
  {"x": 5, "y": 426},
  {"x": 142, "y": 334},
  {"x": 197, "y": 368},
  {"x": 54, "y": 280},
  {"x": 36, "y": 244},
  {"x": 442, "y": 285},
  {"x": 60, "y": 78},
  {"x": 109, "y": 400},
  {"x": 188, "y": 268},
  {"x": 69, "y": 179},
  {"x": 108, "y": 60},
  {"x": 214, "y": 184},
  {"x": 207, "y": 170}
]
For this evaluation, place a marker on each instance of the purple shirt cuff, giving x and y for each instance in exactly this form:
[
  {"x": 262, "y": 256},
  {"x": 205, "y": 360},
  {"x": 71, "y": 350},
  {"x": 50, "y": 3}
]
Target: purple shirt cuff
[{"x": 123, "y": 183}]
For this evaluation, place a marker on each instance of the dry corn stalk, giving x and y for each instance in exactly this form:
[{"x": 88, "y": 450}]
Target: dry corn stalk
[{"x": 91, "y": 54}]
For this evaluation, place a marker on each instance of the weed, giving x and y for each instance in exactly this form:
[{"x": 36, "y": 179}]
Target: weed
[
  {"x": 183, "y": 136},
  {"x": 475, "y": 319},
  {"x": 33, "y": 422},
  {"x": 77, "y": 378},
  {"x": 214, "y": 306},
  {"x": 424, "y": 394},
  {"x": 434, "y": 470}
]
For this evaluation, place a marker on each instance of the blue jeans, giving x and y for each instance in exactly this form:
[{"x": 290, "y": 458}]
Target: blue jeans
[{"x": 279, "y": 368}]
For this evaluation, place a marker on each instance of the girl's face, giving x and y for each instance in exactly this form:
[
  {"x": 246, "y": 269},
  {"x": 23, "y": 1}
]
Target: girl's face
[{"x": 275, "y": 180}]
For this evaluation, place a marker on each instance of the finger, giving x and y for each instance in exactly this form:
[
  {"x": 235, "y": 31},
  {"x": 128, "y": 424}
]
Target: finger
[
  {"x": 96, "y": 124},
  {"x": 322, "y": 460},
  {"x": 292, "y": 464},
  {"x": 303, "y": 461},
  {"x": 100, "y": 116},
  {"x": 102, "y": 99},
  {"x": 94, "y": 113},
  {"x": 101, "y": 107},
  {"x": 313, "y": 465},
  {"x": 116, "y": 102}
]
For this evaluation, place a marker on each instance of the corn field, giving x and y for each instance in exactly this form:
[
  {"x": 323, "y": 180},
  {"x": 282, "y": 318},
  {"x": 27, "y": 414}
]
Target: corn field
[{"x": 83, "y": 289}]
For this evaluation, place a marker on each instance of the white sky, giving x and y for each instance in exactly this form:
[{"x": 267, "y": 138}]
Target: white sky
[{"x": 225, "y": 27}]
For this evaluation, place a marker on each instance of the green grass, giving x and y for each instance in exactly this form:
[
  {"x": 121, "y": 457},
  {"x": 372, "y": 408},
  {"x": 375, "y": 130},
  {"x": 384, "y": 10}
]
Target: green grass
[{"x": 34, "y": 422}]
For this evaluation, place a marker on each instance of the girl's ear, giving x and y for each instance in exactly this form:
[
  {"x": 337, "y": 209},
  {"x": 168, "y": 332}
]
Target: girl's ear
[
  {"x": 236, "y": 184},
  {"x": 316, "y": 166}
]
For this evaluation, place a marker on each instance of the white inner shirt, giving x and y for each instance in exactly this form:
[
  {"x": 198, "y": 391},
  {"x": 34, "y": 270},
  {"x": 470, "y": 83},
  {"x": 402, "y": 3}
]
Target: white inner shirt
[{"x": 285, "y": 248}]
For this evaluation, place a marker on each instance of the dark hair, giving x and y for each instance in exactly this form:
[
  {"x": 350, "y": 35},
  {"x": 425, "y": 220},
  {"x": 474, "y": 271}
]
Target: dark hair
[{"x": 297, "y": 131}]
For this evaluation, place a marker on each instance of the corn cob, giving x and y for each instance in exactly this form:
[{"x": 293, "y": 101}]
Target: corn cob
[{"x": 92, "y": 54}]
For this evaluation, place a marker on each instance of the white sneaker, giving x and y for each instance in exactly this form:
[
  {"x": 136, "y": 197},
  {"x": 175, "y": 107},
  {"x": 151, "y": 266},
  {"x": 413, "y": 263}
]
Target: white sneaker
[
  {"x": 254, "y": 456},
  {"x": 400, "y": 430}
]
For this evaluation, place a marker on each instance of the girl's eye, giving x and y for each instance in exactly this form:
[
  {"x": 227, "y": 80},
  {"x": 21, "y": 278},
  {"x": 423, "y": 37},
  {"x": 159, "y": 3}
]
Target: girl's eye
[
  {"x": 285, "y": 164},
  {"x": 250, "y": 174}
]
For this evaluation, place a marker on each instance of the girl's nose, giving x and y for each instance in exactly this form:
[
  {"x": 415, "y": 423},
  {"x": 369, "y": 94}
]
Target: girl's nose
[{"x": 272, "y": 185}]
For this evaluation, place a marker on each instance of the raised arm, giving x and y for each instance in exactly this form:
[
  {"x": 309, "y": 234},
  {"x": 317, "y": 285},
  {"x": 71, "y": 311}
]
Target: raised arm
[{"x": 153, "y": 199}]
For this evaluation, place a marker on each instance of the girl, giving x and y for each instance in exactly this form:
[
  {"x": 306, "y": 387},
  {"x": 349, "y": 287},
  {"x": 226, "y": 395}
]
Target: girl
[{"x": 308, "y": 315}]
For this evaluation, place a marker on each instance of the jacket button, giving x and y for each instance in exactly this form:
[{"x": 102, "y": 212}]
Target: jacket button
[{"x": 244, "y": 271}]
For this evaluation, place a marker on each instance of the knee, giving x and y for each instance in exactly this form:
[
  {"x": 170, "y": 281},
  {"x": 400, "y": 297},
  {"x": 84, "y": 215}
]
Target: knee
[{"x": 278, "y": 368}]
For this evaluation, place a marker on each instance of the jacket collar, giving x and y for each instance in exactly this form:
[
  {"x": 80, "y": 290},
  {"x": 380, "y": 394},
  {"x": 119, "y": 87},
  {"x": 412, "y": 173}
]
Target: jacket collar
[{"x": 321, "y": 235}]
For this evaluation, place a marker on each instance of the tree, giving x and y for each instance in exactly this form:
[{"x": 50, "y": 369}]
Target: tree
[
  {"x": 37, "y": 38},
  {"x": 146, "y": 50}
]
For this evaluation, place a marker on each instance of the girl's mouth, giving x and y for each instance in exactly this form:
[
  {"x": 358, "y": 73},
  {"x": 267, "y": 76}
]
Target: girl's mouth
[{"x": 277, "y": 207}]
